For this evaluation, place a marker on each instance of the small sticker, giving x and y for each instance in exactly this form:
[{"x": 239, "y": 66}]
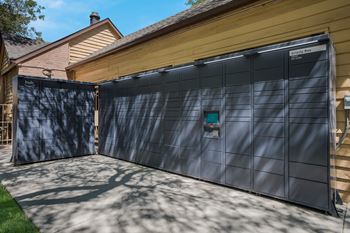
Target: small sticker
[{"x": 313, "y": 49}]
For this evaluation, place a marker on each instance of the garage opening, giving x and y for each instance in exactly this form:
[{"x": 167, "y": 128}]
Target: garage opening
[{"x": 261, "y": 120}]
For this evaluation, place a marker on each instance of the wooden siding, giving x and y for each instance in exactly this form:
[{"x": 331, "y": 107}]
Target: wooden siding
[
  {"x": 4, "y": 63},
  {"x": 263, "y": 23},
  {"x": 8, "y": 85},
  {"x": 2, "y": 90},
  {"x": 4, "y": 60},
  {"x": 85, "y": 45}
]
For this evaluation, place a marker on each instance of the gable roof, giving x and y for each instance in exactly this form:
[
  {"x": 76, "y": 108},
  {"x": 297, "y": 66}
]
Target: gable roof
[
  {"x": 49, "y": 46},
  {"x": 196, "y": 13},
  {"x": 17, "y": 46}
]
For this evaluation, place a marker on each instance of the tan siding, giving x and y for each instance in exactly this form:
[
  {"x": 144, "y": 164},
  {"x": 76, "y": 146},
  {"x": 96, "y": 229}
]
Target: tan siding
[
  {"x": 91, "y": 42},
  {"x": 251, "y": 27},
  {"x": 4, "y": 63},
  {"x": 2, "y": 90},
  {"x": 8, "y": 85},
  {"x": 4, "y": 60},
  {"x": 231, "y": 32}
]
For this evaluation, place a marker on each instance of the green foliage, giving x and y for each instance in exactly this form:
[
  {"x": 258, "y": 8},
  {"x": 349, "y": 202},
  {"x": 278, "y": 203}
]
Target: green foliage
[
  {"x": 12, "y": 218},
  {"x": 194, "y": 2},
  {"x": 16, "y": 15}
]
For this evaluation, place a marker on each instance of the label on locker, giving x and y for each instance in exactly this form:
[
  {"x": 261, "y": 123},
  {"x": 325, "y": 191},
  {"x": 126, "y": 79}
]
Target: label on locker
[{"x": 313, "y": 49}]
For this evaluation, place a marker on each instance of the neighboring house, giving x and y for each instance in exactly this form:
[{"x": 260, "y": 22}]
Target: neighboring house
[
  {"x": 24, "y": 56},
  {"x": 217, "y": 27},
  {"x": 13, "y": 47}
]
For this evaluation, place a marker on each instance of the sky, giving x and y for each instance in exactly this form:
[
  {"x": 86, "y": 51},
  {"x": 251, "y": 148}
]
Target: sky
[{"x": 63, "y": 17}]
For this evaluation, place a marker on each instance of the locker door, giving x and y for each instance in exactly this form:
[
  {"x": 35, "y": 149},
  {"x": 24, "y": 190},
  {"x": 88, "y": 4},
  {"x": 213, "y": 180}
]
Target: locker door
[
  {"x": 238, "y": 126},
  {"x": 212, "y": 160},
  {"x": 190, "y": 122},
  {"x": 308, "y": 120},
  {"x": 269, "y": 123},
  {"x": 172, "y": 122},
  {"x": 152, "y": 106}
]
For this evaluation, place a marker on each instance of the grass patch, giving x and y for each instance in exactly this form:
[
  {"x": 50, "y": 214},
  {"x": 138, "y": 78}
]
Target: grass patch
[{"x": 12, "y": 218}]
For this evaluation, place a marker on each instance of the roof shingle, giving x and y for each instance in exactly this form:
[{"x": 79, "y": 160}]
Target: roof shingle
[{"x": 18, "y": 46}]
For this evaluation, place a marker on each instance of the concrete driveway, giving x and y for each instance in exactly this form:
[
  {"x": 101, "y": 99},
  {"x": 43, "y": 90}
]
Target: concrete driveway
[{"x": 101, "y": 194}]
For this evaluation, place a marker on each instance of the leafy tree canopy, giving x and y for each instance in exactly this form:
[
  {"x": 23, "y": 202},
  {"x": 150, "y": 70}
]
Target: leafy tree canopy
[
  {"x": 194, "y": 2},
  {"x": 16, "y": 15}
]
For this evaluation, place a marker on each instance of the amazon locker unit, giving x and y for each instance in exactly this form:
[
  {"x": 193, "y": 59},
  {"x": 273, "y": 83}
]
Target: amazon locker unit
[
  {"x": 53, "y": 119},
  {"x": 261, "y": 120}
]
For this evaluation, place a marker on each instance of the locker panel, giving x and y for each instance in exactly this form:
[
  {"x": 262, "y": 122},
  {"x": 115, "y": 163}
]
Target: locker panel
[
  {"x": 309, "y": 113},
  {"x": 308, "y": 143},
  {"x": 269, "y": 74},
  {"x": 308, "y": 83},
  {"x": 309, "y": 70},
  {"x": 308, "y": 172},
  {"x": 238, "y": 65},
  {"x": 191, "y": 167},
  {"x": 268, "y": 183},
  {"x": 28, "y": 151},
  {"x": 269, "y": 86},
  {"x": 151, "y": 159},
  {"x": 232, "y": 113},
  {"x": 269, "y": 147},
  {"x": 269, "y": 129},
  {"x": 268, "y": 60},
  {"x": 192, "y": 153},
  {"x": 269, "y": 112},
  {"x": 237, "y": 89},
  {"x": 238, "y": 100},
  {"x": 211, "y": 171},
  {"x": 238, "y": 177},
  {"x": 211, "y": 156},
  {"x": 269, "y": 165},
  {"x": 308, "y": 193},
  {"x": 242, "y": 161},
  {"x": 278, "y": 99},
  {"x": 211, "y": 144},
  {"x": 238, "y": 138},
  {"x": 309, "y": 98}
]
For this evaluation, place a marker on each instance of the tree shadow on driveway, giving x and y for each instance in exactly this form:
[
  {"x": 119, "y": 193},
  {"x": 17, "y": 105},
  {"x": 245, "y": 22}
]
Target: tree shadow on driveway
[{"x": 101, "y": 194}]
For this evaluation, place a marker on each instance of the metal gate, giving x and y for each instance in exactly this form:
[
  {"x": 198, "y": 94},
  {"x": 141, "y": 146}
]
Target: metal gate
[
  {"x": 53, "y": 119},
  {"x": 259, "y": 121}
]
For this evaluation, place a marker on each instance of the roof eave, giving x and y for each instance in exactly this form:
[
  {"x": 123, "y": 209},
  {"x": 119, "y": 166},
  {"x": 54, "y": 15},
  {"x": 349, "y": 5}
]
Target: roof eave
[
  {"x": 195, "y": 19},
  {"x": 115, "y": 28},
  {"x": 63, "y": 40}
]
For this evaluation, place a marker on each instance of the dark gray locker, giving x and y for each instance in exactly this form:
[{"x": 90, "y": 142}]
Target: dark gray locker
[
  {"x": 269, "y": 83},
  {"x": 52, "y": 119},
  {"x": 190, "y": 126},
  {"x": 258, "y": 122},
  {"x": 309, "y": 120},
  {"x": 212, "y": 92},
  {"x": 238, "y": 123}
]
